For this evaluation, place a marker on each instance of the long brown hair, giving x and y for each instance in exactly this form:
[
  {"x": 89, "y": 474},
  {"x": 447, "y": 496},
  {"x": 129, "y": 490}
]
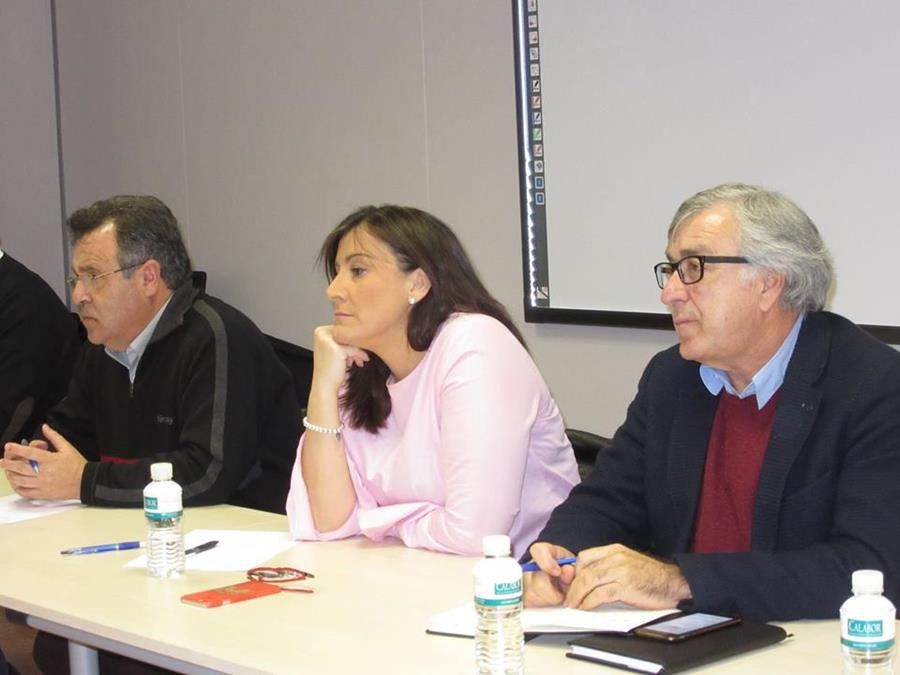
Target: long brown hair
[{"x": 418, "y": 241}]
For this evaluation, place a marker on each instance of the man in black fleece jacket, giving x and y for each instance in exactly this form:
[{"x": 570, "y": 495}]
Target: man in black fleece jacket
[{"x": 172, "y": 375}]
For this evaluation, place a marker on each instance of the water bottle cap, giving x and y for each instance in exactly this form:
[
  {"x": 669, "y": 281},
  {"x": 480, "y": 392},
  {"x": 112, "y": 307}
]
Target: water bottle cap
[
  {"x": 495, "y": 545},
  {"x": 868, "y": 581},
  {"x": 161, "y": 471}
]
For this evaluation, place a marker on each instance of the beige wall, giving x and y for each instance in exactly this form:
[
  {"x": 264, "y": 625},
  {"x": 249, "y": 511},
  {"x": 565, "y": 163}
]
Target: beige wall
[
  {"x": 263, "y": 123},
  {"x": 30, "y": 212}
]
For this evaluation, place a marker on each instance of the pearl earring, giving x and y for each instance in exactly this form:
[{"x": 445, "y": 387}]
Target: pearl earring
[{"x": 412, "y": 301}]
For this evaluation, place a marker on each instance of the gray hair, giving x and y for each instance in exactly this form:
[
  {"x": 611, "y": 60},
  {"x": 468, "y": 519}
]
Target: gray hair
[
  {"x": 145, "y": 229},
  {"x": 774, "y": 234}
]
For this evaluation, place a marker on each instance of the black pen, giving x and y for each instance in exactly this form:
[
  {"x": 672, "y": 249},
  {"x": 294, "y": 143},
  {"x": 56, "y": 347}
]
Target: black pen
[{"x": 202, "y": 547}]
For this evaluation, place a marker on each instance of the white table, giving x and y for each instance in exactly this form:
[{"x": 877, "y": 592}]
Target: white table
[{"x": 367, "y": 614}]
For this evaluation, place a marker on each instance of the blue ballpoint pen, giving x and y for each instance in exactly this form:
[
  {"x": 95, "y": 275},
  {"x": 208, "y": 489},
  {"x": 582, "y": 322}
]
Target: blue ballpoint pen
[
  {"x": 102, "y": 548},
  {"x": 533, "y": 566}
]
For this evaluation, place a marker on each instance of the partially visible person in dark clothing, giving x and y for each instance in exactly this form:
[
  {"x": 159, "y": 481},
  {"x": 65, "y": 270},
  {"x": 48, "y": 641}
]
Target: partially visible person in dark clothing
[{"x": 38, "y": 346}]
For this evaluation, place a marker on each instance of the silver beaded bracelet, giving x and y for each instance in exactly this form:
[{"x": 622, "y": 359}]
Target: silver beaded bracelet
[{"x": 334, "y": 431}]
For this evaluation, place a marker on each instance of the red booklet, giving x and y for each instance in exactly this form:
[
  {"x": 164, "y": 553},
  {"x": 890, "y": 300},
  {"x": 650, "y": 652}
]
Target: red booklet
[{"x": 226, "y": 595}]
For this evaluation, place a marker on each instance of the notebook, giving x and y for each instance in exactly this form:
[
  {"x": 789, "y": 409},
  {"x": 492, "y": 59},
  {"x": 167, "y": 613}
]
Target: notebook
[{"x": 646, "y": 655}]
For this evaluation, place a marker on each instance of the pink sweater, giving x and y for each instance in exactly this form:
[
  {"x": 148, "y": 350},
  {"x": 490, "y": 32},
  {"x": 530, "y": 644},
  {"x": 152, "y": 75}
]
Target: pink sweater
[{"x": 474, "y": 445}]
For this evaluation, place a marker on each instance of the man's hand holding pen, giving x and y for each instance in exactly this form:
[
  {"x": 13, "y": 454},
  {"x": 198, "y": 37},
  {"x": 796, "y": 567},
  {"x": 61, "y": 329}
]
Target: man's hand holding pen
[
  {"x": 36, "y": 472},
  {"x": 548, "y": 586},
  {"x": 602, "y": 575}
]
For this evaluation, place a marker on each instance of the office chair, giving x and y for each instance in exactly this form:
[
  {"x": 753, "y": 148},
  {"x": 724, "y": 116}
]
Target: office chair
[
  {"x": 298, "y": 360},
  {"x": 586, "y": 446},
  {"x": 17, "y": 422}
]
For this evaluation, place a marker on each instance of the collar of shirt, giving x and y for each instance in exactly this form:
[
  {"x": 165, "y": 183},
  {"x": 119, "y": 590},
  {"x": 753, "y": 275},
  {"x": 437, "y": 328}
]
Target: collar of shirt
[
  {"x": 1, "y": 252},
  {"x": 133, "y": 352},
  {"x": 767, "y": 379}
]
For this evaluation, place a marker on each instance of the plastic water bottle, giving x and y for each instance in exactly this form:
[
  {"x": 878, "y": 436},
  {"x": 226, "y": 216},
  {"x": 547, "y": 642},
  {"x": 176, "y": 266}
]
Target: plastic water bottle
[
  {"x": 162, "y": 509},
  {"x": 867, "y": 622},
  {"x": 499, "y": 643}
]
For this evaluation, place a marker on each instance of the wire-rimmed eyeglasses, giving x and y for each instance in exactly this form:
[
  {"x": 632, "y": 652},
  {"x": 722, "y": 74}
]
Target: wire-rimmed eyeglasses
[
  {"x": 281, "y": 575},
  {"x": 88, "y": 280},
  {"x": 690, "y": 268}
]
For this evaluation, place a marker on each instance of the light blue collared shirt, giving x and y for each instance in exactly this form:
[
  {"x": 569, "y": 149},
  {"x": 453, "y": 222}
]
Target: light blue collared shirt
[
  {"x": 131, "y": 357},
  {"x": 767, "y": 379}
]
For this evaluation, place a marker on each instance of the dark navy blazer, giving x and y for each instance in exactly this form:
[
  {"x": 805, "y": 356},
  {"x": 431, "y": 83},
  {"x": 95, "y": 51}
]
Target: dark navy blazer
[{"x": 828, "y": 500}]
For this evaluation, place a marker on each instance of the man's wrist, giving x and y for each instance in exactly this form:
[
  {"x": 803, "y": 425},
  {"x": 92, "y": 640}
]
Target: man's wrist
[{"x": 677, "y": 586}]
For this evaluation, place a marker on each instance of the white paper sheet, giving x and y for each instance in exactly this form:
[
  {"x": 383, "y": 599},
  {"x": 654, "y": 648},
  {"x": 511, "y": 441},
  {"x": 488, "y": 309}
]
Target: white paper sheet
[
  {"x": 614, "y": 618},
  {"x": 14, "y": 508},
  {"x": 237, "y": 550}
]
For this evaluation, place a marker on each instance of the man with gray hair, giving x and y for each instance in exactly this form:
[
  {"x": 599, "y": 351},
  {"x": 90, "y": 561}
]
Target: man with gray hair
[
  {"x": 758, "y": 464},
  {"x": 172, "y": 375}
]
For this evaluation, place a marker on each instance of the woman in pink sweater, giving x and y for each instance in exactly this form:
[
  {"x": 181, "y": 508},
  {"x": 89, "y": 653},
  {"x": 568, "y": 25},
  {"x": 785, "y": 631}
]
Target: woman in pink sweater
[{"x": 427, "y": 419}]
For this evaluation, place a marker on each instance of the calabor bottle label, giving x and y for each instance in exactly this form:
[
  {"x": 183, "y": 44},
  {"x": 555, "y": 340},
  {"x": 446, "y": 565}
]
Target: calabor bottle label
[{"x": 498, "y": 594}]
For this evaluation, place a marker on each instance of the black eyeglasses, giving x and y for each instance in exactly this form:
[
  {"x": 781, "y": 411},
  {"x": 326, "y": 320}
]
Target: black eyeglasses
[
  {"x": 90, "y": 280},
  {"x": 690, "y": 268}
]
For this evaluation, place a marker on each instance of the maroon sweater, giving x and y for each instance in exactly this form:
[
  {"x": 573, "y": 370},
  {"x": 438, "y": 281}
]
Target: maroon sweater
[{"x": 734, "y": 456}]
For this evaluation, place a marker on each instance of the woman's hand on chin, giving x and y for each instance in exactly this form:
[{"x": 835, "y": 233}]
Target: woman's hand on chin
[{"x": 332, "y": 360}]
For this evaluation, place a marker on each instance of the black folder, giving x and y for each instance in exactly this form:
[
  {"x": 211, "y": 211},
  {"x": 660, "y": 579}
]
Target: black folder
[{"x": 646, "y": 655}]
